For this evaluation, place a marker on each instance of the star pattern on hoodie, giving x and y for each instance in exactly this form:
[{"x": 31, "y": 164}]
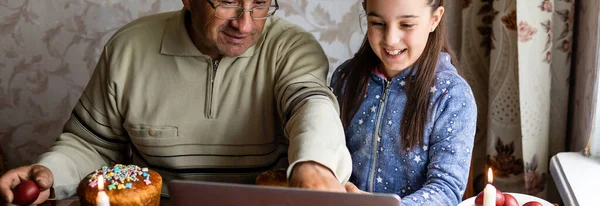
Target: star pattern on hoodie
[{"x": 433, "y": 89}]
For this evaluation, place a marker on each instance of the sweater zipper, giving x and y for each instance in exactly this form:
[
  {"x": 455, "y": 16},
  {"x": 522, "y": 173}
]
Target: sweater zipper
[
  {"x": 209, "y": 99},
  {"x": 376, "y": 135}
]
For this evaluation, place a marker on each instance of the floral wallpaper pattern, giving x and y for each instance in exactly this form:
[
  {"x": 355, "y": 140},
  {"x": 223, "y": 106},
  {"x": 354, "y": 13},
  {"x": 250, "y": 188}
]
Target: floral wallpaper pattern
[
  {"x": 46, "y": 60},
  {"x": 335, "y": 24}
]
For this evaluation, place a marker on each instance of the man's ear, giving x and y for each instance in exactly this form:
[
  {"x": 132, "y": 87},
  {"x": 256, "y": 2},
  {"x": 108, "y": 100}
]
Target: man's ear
[
  {"x": 437, "y": 17},
  {"x": 186, "y": 3}
]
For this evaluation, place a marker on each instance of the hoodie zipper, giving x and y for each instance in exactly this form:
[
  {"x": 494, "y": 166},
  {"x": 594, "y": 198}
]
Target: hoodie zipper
[
  {"x": 209, "y": 99},
  {"x": 376, "y": 135}
]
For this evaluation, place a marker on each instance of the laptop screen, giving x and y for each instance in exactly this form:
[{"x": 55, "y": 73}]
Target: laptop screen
[{"x": 185, "y": 193}]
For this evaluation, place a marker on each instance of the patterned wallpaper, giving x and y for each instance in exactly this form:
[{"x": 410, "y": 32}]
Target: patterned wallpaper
[
  {"x": 46, "y": 60},
  {"x": 335, "y": 23}
]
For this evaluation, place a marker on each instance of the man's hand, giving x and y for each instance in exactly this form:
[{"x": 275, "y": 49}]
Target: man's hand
[
  {"x": 313, "y": 175},
  {"x": 353, "y": 189},
  {"x": 41, "y": 175}
]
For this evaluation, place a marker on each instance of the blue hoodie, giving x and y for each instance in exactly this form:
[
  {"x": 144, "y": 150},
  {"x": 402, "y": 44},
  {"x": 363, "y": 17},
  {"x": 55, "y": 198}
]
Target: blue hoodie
[{"x": 433, "y": 174}]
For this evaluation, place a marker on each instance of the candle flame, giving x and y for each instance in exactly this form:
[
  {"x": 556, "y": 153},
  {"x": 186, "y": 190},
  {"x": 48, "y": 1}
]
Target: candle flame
[
  {"x": 100, "y": 183},
  {"x": 490, "y": 175}
]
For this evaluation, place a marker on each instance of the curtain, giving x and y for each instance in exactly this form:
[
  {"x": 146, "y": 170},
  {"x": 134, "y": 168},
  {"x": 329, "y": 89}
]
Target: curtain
[{"x": 516, "y": 54}]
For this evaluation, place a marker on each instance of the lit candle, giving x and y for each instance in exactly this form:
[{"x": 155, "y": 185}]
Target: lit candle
[
  {"x": 102, "y": 198},
  {"x": 489, "y": 193}
]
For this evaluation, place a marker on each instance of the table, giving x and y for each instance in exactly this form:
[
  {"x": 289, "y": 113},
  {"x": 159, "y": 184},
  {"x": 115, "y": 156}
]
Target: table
[
  {"x": 577, "y": 178},
  {"x": 521, "y": 198},
  {"x": 74, "y": 201}
]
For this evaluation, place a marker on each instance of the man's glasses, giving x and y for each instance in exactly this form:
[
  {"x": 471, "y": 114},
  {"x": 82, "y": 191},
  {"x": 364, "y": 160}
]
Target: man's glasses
[{"x": 231, "y": 12}]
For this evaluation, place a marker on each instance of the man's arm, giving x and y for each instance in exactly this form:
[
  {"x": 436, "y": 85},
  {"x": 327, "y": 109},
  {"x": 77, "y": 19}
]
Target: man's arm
[
  {"x": 309, "y": 109},
  {"x": 92, "y": 137}
]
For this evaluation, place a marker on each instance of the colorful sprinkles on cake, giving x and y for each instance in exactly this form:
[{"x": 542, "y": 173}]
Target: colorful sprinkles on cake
[{"x": 120, "y": 176}]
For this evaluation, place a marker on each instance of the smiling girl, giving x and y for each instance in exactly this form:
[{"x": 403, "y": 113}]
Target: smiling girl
[{"x": 409, "y": 117}]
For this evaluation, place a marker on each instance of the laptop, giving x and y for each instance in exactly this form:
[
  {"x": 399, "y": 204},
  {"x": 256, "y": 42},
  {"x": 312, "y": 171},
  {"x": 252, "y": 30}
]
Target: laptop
[{"x": 185, "y": 192}]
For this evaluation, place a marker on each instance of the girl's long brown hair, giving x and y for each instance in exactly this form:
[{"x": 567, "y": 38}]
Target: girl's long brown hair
[{"x": 354, "y": 78}]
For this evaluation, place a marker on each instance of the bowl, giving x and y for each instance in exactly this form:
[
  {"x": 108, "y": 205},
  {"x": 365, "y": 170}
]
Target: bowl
[{"x": 521, "y": 198}]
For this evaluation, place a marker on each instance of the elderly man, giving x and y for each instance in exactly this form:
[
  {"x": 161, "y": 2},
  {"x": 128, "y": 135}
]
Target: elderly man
[{"x": 220, "y": 91}]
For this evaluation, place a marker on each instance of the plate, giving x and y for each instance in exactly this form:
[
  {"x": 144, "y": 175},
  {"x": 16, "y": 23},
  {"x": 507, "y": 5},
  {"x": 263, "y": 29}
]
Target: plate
[{"x": 521, "y": 198}]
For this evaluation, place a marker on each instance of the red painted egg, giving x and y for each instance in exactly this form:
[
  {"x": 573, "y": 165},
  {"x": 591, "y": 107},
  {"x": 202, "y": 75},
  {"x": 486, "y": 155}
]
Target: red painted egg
[
  {"x": 533, "y": 203},
  {"x": 510, "y": 200},
  {"x": 26, "y": 193}
]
